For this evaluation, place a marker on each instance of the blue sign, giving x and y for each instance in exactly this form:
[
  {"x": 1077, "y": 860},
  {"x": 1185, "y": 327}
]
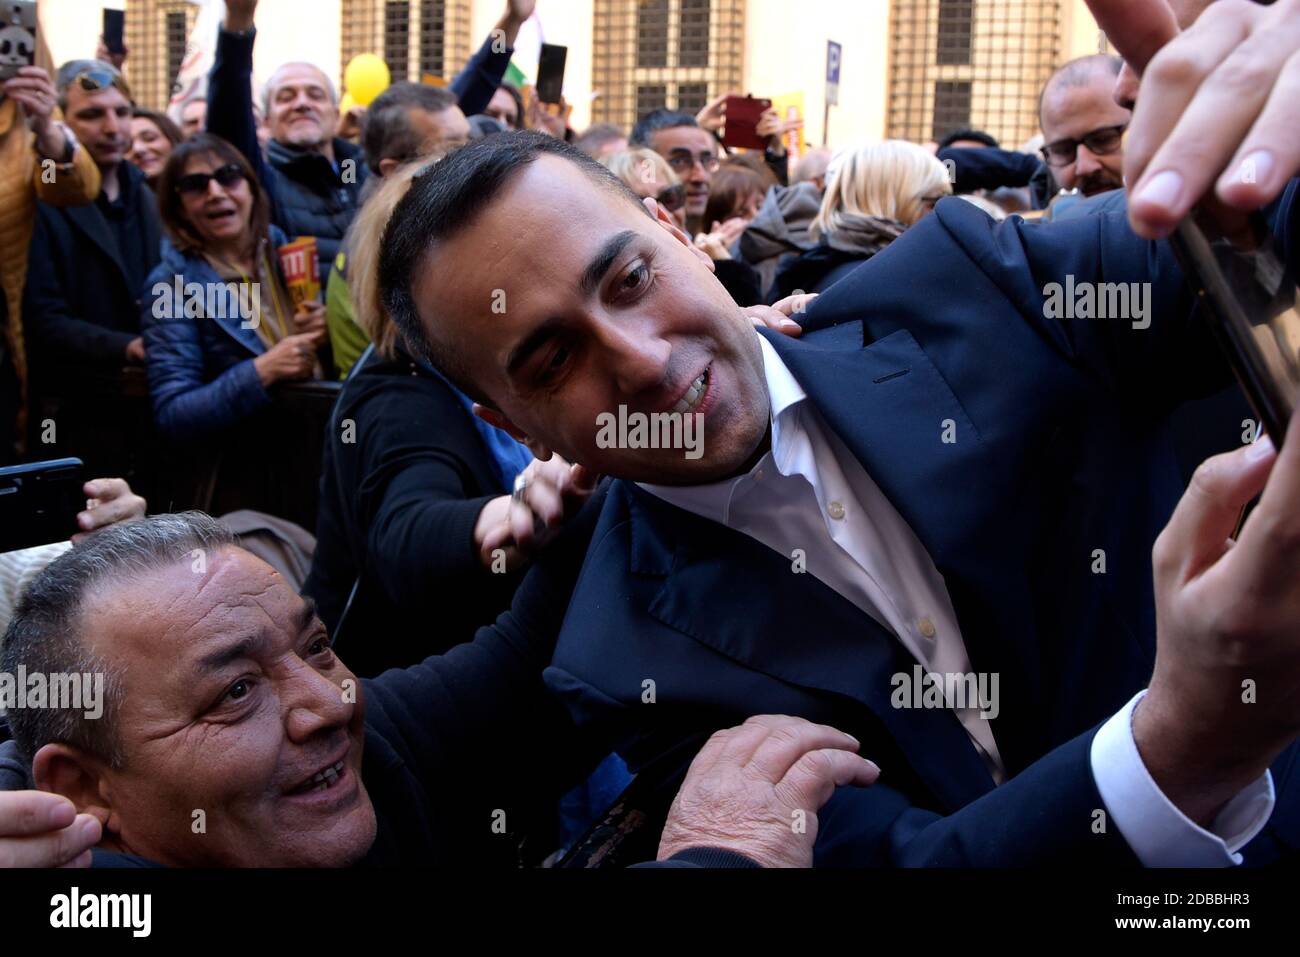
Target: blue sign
[{"x": 834, "y": 55}]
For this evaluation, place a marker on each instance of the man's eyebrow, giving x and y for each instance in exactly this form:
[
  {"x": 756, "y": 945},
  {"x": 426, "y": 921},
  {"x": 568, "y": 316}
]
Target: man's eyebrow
[
  {"x": 218, "y": 659},
  {"x": 307, "y": 615},
  {"x": 600, "y": 263}
]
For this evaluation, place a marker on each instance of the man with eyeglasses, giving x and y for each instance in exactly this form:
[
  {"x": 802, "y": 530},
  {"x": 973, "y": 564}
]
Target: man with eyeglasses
[
  {"x": 691, "y": 152},
  {"x": 1083, "y": 127}
]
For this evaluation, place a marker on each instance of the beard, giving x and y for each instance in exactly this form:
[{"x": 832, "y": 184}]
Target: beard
[{"x": 1102, "y": 181}]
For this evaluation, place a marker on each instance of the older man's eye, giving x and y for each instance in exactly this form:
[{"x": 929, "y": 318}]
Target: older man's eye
[
  {"x": 239, "y": 689},
  {"x": 319, "y": 646}
]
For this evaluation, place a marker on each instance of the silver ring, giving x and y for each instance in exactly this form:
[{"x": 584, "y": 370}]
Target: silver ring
[{"x": 521, "y": 486}]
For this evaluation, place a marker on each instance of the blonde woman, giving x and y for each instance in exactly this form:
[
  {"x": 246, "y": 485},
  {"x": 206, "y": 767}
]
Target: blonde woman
[
  {"x": 648, "y": 174},
  {"x": 873, "y": 193},
  {"x": 417, "y": 523}
]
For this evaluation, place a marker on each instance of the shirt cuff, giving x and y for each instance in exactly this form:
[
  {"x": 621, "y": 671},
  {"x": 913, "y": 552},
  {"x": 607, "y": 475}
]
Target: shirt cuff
[{"x": 1158, "y": 833}]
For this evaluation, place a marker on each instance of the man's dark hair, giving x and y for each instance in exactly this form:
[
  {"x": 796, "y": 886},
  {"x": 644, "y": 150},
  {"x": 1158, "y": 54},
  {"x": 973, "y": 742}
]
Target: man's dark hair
[
  {"x": 594, "y": 137},
  {"x": 1079, "y": 72},
  {"x": 387, "y": 133},
  {"x": 445, "y": 199},
  {"x": 46, "y": 634},
  {"x": 656, "y": 120},
  {"x": 967, "y": 133}
]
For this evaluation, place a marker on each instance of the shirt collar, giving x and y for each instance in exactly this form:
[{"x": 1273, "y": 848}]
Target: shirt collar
[{"x": 713, "y": 500}]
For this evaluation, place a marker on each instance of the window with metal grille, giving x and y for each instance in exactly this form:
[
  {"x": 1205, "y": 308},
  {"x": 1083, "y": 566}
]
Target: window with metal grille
[
  {"x": 397, "y": 38},
  {"x": 956, "y": 22},
  {"x": 977, "y": 63},
  {"x": 441, "y": 28},
  {"x": 692, "y": 97},
  {"x": 663, "y": 52},
  {"x": 652, "y": 33},
  {"x": 175, "y": 47},
  {"x": 650, "y": 98},
  {"x": 951, "y": 107},
  {"x": 433, "y": 25},
  {"x": 693, "y": 35}
]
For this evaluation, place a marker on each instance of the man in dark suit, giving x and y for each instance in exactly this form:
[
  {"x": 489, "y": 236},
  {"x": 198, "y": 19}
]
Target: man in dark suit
[
  {"x": 88, "y": 263},
  {"x": 958, "y": 482},
  {"x": 81, "y": 304}
]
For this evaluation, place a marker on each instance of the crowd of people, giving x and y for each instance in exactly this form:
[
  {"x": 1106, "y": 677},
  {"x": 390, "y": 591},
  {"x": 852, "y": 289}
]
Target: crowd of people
[{"x": 499, "y": 636}]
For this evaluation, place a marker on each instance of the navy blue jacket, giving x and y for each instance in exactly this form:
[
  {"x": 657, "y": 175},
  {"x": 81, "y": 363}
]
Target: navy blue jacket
[
  {"x": 1062, "y": 448},
  {"x": 81, "y": 302},
  {"x": 309, "y": 196},
  {"x": 200, "y": 368}
]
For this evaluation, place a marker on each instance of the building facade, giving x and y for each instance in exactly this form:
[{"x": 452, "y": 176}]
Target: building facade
[{"x": 910, "y": 68}]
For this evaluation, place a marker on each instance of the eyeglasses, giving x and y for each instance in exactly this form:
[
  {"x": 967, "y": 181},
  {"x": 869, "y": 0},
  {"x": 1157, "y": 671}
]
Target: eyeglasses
[
  {"x": 92, "y": 81},
  {"x": 681, "y": 162},
  {"x": 1100, "y": 142},
  {"x": 226, "y": 176},
  {"x": 672, "y": 198}
]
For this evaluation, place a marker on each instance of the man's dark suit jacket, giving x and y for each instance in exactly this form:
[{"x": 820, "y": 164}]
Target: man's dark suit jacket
[
  {"x": 81, "y": 303},
  {"x": 1061, "y": 450}
]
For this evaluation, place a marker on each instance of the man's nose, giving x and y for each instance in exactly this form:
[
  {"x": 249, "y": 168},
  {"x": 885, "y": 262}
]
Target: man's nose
[
  {"x": 698, "y": 173},
  {"x": 1126, "y": 88},
  {"x": 313, "y": 703},
  {"x": 1085, "y": 162},
  {"x": 638, "y": 358}
]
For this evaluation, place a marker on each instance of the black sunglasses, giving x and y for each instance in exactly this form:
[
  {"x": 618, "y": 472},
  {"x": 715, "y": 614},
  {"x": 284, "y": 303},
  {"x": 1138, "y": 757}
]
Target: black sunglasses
[
  {"x": 226, "y": 176},
  {"x": 672, "y": 198},
  {"x": 1100, "y": 142}
]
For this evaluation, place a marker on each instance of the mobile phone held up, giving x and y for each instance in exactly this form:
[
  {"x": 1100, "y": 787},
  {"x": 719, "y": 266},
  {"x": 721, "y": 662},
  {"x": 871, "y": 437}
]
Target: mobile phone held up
[
  {"x": 741, "y": 128},
  {"x": 1254, "y": 309},
  {"x": 550, "y": 72},
  {"x": 114, "y": 31},
  {"x": 17, "y": 36},
  {"x": 39, "y": 503}
]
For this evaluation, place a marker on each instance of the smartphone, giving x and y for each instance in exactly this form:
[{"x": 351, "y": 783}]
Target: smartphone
[
  {"x": 741, "y": 129},
  {"x": 17, "y": 36},
  {"x": 550, "y": 72},
  {"x": 114, "y": 29},
  {"x": 1254, "y": 309},
  {"x": 39, "y": 503}
]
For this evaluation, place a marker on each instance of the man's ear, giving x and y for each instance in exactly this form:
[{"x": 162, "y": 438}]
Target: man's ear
[
  {"x": 78, "y": 776},
  {"x": 386, "y": 166},
  {"x": 665, "y": 219},
  {"x": 493, "y": 417}
]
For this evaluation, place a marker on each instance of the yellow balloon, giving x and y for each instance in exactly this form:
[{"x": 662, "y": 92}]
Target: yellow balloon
[
  {"x": 366, "y": 77},
  {"x": 346, "y": 103}
]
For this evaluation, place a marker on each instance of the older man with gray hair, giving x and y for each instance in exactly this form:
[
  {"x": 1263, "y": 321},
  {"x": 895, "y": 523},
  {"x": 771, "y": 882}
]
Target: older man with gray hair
[{"x": 232, "y": 734}]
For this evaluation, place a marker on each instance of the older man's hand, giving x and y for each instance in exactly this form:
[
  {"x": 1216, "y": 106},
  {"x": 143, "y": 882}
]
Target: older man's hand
[
  {"x": 756, "y": 790},
  {"x": 38, "y": 829}
]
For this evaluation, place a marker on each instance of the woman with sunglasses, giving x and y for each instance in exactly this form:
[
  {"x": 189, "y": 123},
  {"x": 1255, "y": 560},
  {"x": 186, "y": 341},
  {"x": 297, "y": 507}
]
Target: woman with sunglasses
[{"x": 219, "y": 328}]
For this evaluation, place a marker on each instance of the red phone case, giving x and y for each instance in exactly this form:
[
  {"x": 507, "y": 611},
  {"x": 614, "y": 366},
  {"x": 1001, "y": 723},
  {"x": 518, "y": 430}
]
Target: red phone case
[{"x": 743, "y": 113}]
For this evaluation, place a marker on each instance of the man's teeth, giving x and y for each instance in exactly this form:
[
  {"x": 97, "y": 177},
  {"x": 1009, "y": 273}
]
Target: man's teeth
[
  {"x": 693, "y": 394},
  {"x": 326, "y": 778}
]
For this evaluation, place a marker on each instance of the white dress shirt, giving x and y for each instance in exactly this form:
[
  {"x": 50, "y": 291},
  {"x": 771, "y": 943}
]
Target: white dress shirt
[{"x": 810, "y": 493}]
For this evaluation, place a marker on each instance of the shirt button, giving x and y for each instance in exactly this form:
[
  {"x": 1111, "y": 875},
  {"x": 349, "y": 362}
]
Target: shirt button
[
  {"x": 927, "y": 627},
  {"x": 758, "y": 476},
  {"x": 835, "y": 510}
]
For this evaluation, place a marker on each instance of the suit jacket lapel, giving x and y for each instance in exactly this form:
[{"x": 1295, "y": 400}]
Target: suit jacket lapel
[
  {"x": 742, "y": 599},
  {"x": 893, "y": 409},
  {"x": 92, "y": 223}
]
